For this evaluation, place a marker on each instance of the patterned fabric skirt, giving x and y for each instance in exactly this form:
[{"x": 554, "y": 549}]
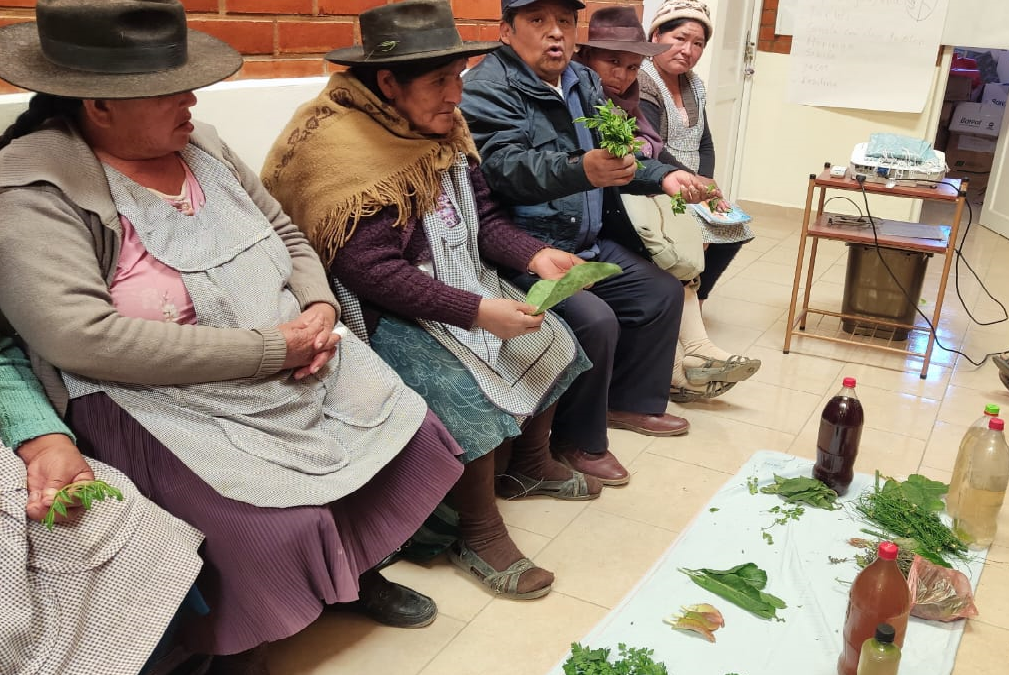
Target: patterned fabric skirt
[
  {"x": 450, "y": 390},
  {"x": 723, "y": 234},
  {"x": 268, "y": 573}
]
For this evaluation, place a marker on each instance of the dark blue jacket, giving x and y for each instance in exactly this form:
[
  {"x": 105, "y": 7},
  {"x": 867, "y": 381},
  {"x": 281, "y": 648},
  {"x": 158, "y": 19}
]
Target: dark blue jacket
[{"x": 530, "y": 151}]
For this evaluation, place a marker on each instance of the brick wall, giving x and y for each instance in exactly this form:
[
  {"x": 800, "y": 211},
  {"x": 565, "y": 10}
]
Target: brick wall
[
  {"x": 287, "y": 38},
  {"x": 768, "y": 40}
]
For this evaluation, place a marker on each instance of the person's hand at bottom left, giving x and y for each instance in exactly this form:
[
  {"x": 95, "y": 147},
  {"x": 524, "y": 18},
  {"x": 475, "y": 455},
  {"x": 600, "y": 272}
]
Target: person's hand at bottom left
[{"x": 53, "y": 462}]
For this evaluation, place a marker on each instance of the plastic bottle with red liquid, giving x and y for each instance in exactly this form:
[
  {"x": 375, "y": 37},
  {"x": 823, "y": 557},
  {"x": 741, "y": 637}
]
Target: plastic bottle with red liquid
[
  {"x": 837, "y": 442},
  {"x": 878, "y": 595}
]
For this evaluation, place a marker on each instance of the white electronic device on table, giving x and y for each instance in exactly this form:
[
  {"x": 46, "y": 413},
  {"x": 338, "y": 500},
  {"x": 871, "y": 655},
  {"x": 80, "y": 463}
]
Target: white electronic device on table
[{"x": 897, "y": 171}]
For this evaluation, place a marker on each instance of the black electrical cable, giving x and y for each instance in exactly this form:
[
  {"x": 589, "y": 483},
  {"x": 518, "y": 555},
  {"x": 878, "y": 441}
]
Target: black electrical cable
[{"x": 956, "y": 248}]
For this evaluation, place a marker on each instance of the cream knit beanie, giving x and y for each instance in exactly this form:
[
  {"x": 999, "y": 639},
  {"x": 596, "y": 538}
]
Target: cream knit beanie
[{"x": 671, "y": 10}]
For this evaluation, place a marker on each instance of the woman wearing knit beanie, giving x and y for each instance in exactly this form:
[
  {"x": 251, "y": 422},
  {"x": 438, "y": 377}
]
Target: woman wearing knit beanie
[{"x": 673, "y": 100}]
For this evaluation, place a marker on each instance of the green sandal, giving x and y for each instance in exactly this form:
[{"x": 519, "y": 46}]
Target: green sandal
[
  {"x": 504, "y": 583},
  {"x": 736, "y": 368},
  {"x": 711, "y": 390},
  {"x": 516, "y": 485}
]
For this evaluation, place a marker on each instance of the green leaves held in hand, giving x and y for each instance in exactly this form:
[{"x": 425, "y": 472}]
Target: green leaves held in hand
[
  {"x": 631, "y": 661},
  {"x": 713, "y": 202},
  {"x": 616, "y": 130},
  {"x": 546, "y": 293},
  {"x": 742, "y": 585},
  {"x": 85, "y": 491},
  {"x": 679, "y": 204},
  {"x": 803, "y": 490}
]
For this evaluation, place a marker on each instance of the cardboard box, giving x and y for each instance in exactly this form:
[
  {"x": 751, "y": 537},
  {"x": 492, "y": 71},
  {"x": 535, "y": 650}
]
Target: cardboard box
[
  {"x": 977, "y": 118},
  {"x": 960, "y": 85},
  {"x": 946, "y": 114},
  {"x": 995, "y": 94},
  {"x": 965, "y": 152}
]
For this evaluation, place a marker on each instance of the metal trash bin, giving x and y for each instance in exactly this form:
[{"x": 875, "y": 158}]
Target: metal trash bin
[{"x": 871, "y": 292}]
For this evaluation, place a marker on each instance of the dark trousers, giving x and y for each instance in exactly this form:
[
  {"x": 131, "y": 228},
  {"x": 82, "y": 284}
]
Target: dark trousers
[
  {"x": 716, "y": 258},
  {"x": 628, "y": 326}
]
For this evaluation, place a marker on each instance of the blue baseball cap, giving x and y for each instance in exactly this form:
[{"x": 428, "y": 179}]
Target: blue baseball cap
[{"x": 515, "y": 4}]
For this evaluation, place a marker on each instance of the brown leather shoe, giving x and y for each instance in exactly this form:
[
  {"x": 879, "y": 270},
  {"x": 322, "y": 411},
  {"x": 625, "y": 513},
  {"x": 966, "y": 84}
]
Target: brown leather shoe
[
  {"x": 648, "y": 424},
  {"x": 603, "y": 466}
]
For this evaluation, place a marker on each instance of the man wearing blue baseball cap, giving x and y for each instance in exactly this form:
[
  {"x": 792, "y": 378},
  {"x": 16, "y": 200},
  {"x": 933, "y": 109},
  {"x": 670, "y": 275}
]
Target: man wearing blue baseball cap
[{"x": 521, "y": 102}]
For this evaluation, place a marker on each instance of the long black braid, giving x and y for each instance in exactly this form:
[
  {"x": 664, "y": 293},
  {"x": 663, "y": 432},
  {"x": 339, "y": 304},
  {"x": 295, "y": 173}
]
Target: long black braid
[{"x": 41, "y": 108}]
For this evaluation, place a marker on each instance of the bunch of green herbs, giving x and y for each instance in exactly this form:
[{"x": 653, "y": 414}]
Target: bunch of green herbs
[
  {"x": 617, "y": 130},
  {"x": 803, "y": 490},
  {"x": 910, "y": 509},
  {"x": 742, "y": 585},
  {"x": 87, "y": 492},
  {"x": 630, "y": 661}
]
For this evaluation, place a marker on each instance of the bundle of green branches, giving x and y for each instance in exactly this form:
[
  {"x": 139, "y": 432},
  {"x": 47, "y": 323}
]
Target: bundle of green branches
[
  {"x": 909, "y": 510},
  {"x": 617, "y": 130}
]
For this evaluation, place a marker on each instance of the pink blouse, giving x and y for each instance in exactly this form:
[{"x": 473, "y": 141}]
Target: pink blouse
[{"x": 146, "y": 288}]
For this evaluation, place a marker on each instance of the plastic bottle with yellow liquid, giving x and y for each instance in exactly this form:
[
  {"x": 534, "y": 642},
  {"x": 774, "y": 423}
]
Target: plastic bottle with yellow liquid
[
  {"x": 980, "y": 489},
  {"x": 974, "y": 432},
  {"x": 880, "y": 656}
]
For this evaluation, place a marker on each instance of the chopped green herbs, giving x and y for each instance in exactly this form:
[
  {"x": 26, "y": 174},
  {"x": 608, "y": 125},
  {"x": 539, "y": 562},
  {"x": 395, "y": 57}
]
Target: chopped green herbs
[
  {"x": 546, "y": 293},
  {"x": 742, "y": 585},
  {"x": 751, "y": 484},
  {"x": 86, "y": 492},
  {"x": 630, "y": 661},
  {"x": 617, "y": 130},
  {"x": 803, "y": 490}
]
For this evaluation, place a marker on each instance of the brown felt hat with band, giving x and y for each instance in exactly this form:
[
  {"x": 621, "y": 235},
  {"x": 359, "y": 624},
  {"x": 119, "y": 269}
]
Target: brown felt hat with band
[
  {"x": 112, "y": 49},
  {"x": 415, "y": 30},
  {"x": 618, "y": 29}
]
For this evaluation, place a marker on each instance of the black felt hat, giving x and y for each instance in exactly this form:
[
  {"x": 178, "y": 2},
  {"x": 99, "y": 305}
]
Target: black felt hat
[
  {"x": 112, "y": 49},
  {"x": 415, "y": 30}
]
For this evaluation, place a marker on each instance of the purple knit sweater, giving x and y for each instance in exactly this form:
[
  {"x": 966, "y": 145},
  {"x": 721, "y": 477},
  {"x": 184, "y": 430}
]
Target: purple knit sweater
[{"x": 379, "y": 263}]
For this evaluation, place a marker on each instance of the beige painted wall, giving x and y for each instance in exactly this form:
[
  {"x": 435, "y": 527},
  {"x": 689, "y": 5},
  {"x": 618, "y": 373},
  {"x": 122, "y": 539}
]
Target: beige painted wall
[{"x": 785, "y": 142}]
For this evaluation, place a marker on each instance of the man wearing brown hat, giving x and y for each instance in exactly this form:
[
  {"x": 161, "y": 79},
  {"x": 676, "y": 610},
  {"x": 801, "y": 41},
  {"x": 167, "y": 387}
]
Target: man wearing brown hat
[{"x": 521, "y": 102}]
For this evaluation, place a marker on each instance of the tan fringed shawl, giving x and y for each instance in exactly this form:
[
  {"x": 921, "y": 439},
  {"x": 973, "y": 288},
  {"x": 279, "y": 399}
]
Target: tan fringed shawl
[{"x": 346, "y": 155}]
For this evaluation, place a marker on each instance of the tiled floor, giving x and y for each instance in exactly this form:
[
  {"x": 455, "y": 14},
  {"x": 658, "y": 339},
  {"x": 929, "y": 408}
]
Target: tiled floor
[{"x": 599, "y": 549}]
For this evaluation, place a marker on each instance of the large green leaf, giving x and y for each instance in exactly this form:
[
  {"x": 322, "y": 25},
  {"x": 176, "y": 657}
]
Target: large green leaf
[{"x": 546, "y": 293}]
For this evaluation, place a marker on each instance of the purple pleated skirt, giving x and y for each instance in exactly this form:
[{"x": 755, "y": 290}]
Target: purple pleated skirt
[{"x": 269, "y": 572}]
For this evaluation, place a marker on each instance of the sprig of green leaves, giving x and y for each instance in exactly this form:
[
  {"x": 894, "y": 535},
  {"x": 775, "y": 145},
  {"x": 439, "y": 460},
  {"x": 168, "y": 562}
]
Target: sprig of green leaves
[
  {"x": 87, "y": 492},
  {"x": 616, "y": 130}
]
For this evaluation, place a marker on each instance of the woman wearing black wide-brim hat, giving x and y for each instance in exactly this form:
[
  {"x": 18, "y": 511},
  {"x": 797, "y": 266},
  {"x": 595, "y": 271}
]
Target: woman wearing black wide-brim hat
[
  {"x": 383, "y": 175},
  {"x": 187, "y": 328}
]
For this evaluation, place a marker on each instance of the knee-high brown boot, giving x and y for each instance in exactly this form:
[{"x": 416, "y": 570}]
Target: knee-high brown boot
[{"x": 488, "y": 549}]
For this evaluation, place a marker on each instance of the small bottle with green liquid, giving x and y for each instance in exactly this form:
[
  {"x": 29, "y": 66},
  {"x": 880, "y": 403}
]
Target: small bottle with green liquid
[{"x": 879, "y": 656}]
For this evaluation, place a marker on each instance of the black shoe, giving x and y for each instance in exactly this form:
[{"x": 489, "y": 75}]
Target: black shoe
[{"x": 393, "y": 604}]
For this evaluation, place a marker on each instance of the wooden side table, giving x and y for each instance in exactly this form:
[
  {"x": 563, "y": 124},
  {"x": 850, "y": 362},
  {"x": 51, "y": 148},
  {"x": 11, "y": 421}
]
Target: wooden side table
[{"x": 950, "y": 190}]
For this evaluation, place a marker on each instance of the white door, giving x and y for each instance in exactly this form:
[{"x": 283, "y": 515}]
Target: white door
[
  {"x": 995, "y": 212},
  {"x": 732, "y": 50}
]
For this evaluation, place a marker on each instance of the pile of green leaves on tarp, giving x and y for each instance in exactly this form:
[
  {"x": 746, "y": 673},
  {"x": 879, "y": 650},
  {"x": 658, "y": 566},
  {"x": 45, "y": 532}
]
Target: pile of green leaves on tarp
[
  {"x": 742, "y": 585},
  {"x": 910, "y": 509},
  {"x": 630, "y": 661},
  {"x": 546, "y": 293},
  {"x": 804, "y": 490}
]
